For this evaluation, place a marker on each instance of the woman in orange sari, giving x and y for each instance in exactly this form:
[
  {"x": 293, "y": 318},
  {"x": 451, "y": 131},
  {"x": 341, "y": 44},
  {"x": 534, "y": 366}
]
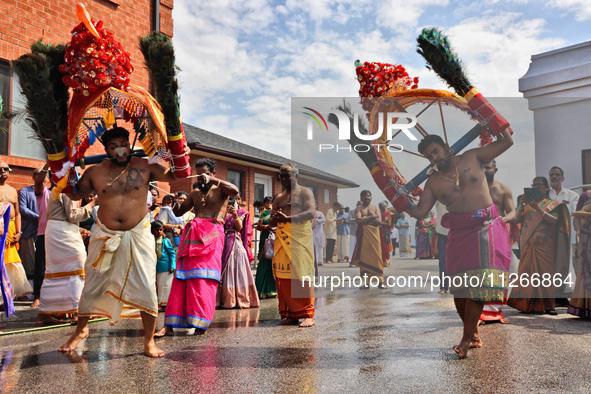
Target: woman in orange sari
[
  {"x": 544, "y": 242},
  {"x": 580, "y": 303}
]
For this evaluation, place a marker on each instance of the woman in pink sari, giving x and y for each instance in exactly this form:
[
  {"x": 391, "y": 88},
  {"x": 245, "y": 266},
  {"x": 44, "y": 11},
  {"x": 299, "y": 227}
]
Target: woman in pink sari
[{"x": 237, "y": 288}]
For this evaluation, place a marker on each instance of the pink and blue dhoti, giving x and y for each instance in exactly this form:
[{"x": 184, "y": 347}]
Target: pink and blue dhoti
[
  {"x": 198, "y": 270},
  {"x": 478, "y": 254}
]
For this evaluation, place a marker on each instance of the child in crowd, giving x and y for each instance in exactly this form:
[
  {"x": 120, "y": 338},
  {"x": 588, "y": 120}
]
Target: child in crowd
[{"x": 166, "y": 264}]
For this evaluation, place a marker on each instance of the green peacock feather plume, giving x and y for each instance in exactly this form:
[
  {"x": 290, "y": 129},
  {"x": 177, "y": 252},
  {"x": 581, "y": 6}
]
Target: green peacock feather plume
[
  {"x": 46, "y": 107},
  {"x": 369, "y": 158},
  {"x": 159, "y": 59},
  {"x": 435, "y": 47}
]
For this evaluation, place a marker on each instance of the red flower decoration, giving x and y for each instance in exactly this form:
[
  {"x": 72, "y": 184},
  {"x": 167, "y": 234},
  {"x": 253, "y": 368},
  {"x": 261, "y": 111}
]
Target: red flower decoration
[
  {"x": 375, "y": 79},
  {"x": 70, "y": 82},
  {"x": 92, "y": 62}
]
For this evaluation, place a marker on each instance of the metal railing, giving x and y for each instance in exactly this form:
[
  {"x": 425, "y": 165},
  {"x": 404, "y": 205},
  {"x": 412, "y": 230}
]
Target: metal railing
[{"x": 581, "y": 188}]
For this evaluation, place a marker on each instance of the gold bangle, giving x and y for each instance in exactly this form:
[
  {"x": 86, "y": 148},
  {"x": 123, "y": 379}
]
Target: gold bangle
[{"x": 219, "y": 181}]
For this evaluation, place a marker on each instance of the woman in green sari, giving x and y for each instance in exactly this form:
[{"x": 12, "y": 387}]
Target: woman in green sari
[{"x": 265, "y": 281}]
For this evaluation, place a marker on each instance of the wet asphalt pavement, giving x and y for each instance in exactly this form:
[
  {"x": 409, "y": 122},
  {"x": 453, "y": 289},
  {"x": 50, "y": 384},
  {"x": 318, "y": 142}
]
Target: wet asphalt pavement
[{"x": 367, "y": 341}]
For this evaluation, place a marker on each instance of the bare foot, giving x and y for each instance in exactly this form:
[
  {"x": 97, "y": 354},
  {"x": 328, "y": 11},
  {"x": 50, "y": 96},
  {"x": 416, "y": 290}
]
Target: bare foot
[
  {"x": 480, "y": 323},
  {"x": 442, "y": 291},
  {"x": 199, "y": 331},
  {"x": 151, "y": 350},
  {"x": 47, "y": 320},
  {"x": 165, "y": 331},
  {"x": 308, "y": 322},
  {"x": 476, "y": 342},
  {"x": 504, "y": 321},
  {"x": 74, "y": 340},
  {"x": 289, "y": 322},
  {"x": 36, "y": 303},
  {"x": 462, "y": 349}
]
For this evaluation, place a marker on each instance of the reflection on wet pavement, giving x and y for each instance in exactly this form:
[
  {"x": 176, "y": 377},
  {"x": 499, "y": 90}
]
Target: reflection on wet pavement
[{"x": 359, "y": 344}]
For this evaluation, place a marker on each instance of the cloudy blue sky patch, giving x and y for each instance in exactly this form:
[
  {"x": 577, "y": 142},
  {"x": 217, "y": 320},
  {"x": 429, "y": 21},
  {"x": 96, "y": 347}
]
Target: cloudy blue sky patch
[{"x": 242, "y": 61}]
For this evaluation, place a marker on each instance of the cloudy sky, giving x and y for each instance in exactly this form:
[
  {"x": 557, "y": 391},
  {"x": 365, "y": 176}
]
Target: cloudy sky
[{"x": 243, "y": 61}]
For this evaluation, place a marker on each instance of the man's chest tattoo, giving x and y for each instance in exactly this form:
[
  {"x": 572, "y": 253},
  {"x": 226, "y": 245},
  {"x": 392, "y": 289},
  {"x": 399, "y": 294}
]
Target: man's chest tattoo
[{"x": 134, "y": 177}]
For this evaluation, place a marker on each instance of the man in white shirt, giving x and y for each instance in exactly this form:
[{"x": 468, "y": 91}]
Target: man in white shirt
[
  {"x": 570, "y": 198},
  {"x": 394, "y": 239},
  {"x": 330, "y": 229}
]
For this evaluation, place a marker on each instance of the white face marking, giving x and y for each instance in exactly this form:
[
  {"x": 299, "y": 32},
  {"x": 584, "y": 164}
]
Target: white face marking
[{"x": 120, "y": 151}]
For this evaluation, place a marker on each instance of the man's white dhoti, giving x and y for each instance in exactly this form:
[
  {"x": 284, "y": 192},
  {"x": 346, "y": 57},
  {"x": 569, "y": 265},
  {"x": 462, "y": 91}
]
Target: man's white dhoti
[
  {"x": 120, "y": 273},
  {"x": 64, "y": 268}
]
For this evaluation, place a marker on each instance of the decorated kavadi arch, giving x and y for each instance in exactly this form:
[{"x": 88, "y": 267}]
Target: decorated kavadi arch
[
  {"x": 77, "y": 91},
  {"x": 389, "y": 88}
]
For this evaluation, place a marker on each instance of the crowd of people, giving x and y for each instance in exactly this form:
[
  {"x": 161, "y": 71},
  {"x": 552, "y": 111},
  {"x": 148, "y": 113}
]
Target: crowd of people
[
  {"x": 121, "y": 254},
  {"x": 192, "y": 253}
]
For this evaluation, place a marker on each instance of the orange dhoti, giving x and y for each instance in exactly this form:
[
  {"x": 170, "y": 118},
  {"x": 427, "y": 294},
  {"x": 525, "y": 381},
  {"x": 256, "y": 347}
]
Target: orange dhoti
[{"x": 295, "y": 301}]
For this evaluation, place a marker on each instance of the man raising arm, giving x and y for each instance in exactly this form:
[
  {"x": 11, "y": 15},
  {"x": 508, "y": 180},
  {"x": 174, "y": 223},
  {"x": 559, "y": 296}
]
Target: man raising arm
[
  {"x": 198, "y": 271},
  {"x": 460, "y": 184}
]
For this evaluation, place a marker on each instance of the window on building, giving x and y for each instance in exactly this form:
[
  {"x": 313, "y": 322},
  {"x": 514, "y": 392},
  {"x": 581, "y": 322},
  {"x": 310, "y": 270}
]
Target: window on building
[
  {"x": 21, "y": 142},
  {"x": 5, "y": 73},
  {"x": 259, "y": 191},
  {"x": 262, "y": 188},
  {"x": 587, "y": 167},
  {"x": 235, "y": 177},
  {"x": 314, "y": 190}
]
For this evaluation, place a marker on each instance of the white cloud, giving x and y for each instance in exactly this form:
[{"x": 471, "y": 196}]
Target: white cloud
[
  {"x": 339, "y": 11},
  {"x": 497, "y": 50},
  {"x": 243, "y": 61},
  {"x": 403, "y": 15},
  {"x": 581, "y": 8}
]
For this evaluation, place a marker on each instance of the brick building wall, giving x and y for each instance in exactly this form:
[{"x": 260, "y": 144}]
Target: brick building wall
[
  {"x": 248, "y": 176},
  {"x": 25, "y": 21},
  {"x": 247, "y": 192}
]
